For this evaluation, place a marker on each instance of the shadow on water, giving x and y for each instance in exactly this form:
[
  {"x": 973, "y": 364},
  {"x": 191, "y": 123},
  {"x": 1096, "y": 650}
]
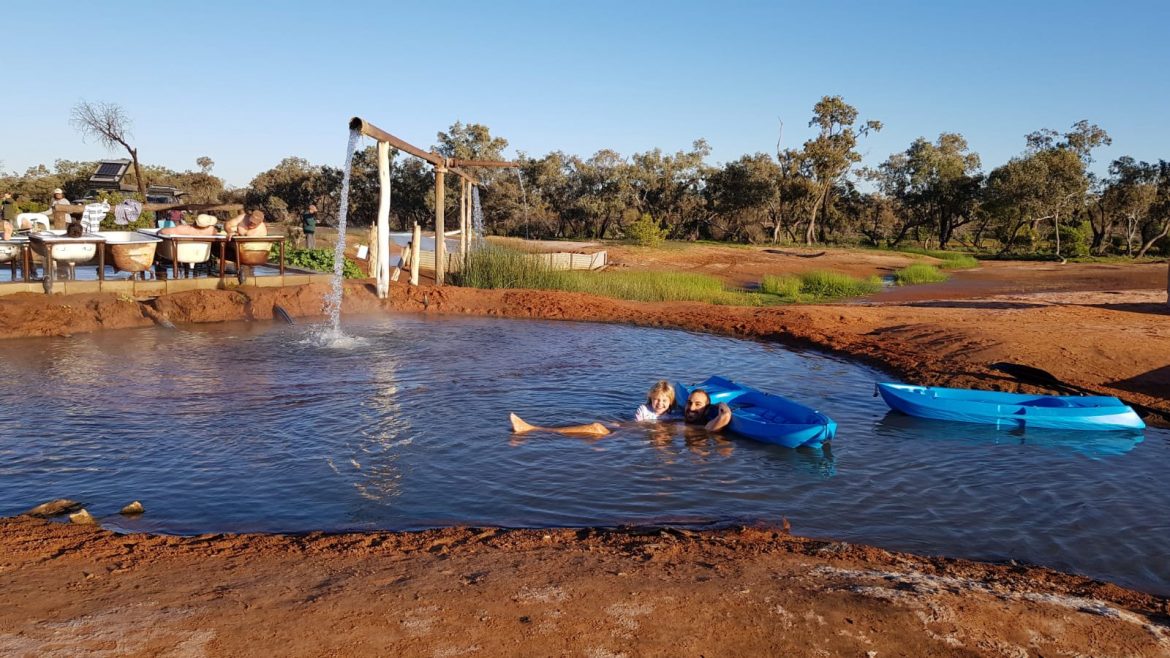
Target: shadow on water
[{"x": 1091, "y": 444}]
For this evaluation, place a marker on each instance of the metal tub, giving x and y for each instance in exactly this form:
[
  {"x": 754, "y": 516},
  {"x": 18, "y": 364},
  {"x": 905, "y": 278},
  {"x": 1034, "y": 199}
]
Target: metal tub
[
  {"x": 58, "y": 247},
  {"x": 130, "y": 251}
]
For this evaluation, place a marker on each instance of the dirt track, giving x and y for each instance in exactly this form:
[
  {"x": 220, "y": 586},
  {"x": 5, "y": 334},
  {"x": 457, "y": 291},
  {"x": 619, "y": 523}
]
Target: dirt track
[{"x": 82, "y": 591}]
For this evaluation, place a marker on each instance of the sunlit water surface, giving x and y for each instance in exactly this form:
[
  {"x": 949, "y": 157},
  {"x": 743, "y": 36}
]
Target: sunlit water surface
[{"x": 403, "y": 425}]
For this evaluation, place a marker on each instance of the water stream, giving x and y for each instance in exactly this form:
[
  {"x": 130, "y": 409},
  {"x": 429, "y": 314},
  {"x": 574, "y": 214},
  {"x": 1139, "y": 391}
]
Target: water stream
[
  {"x": 523, "y": 200},
  {"x": 476, "y": 215},
  {"x": 333, "y": 299}
]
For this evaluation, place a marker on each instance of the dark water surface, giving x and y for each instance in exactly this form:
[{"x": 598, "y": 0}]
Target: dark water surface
[{"x": 264, "y": 427}]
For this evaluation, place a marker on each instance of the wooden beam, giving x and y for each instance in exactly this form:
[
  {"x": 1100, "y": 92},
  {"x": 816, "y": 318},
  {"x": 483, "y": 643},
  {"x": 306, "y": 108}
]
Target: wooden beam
[
  {"x": 501, "y": 164},
  {"x": 370, "y": 130},
  {"x": 193, "y": 207}
]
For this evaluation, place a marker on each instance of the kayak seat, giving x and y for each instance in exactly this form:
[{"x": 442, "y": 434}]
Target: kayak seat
[{"x": 1046, "y": 402}]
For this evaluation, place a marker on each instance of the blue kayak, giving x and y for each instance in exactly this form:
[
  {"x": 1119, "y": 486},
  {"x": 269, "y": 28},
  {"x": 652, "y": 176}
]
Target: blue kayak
[
  {"x": 763, "y": 416},
  {"x": 1014, "y": 410}
]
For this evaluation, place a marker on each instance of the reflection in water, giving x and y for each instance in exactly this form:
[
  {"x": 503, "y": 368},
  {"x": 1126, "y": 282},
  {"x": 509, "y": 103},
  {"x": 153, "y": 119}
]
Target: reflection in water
[
  {"x": 1091, "y": 444},
  {"x": 260, "y": 427}
]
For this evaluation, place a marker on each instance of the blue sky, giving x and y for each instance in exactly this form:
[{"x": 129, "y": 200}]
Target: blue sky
[{"x": 251, "y": 83}]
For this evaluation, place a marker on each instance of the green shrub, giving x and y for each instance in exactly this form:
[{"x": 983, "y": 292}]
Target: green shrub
[
  {"x": 1075, "y": 240},
  {"x": 646, "y": 232},
  {"x": 320, "y": 260},
  {"x": 919, "y": 273}
]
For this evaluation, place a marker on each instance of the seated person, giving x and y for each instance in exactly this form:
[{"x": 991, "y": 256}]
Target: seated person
[
  {"x": 204, "y": 225},
  {"x": 247, "y": 225}
]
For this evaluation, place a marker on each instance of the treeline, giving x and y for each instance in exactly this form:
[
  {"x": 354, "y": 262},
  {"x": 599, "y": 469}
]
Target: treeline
[{"x": 935, "y": 194}]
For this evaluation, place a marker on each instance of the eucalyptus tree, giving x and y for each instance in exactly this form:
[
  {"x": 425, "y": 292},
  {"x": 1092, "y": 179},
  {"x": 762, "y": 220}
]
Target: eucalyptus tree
[
  {"x": 832, "y": 153},
  {"x": 604, "y": 190},
  {"x": 669, "y": 188},
  {"x": 936, "y": 185},
  {"x": 744, "y": 197},
  {"x": 1050, "y": 181},
  {"x": 1128, "y": 196}
]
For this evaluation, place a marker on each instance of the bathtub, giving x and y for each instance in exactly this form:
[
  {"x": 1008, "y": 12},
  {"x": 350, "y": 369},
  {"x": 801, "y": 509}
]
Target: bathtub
[
  {"x": 130, "y": 251},
  {"x": 58, "y": 247},
  {"x": 185, "y": 249},
  {"x": 13, "y": 252},
  {"x": 55, "y": 248}
]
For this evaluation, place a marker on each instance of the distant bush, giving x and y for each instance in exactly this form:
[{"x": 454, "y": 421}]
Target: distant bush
[
  {"x": 919, "y": 273},
  {"x": 646, "y": 231},
  {"x": 1075, "y": 240}
]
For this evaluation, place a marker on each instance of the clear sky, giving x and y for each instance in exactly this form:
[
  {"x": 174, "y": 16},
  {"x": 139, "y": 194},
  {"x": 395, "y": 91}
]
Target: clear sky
[{"x": 249, "y": 83}]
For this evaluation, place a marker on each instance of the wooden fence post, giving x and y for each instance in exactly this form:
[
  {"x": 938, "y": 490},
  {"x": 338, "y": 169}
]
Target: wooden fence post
[
  {"x": 440, "y": 224},
  {"x": 415, "y": 252},
  {"x": 383, "y": 245}
]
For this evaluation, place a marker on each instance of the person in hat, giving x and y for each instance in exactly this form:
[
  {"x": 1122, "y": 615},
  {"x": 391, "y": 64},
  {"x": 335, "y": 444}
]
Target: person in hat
[
  {"x": 204, "y": 225},
  {"x": 247, "y": 225},
  {"x": 58, "y": 200}
]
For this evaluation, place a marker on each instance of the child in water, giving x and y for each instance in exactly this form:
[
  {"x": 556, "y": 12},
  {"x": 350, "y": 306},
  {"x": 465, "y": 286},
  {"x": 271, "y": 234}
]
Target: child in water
[{"x": 660, "y": 404}]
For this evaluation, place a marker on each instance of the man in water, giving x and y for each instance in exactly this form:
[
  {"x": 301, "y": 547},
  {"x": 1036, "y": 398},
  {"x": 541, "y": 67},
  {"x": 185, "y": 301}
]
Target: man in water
[{"x": 700, "y": 411}]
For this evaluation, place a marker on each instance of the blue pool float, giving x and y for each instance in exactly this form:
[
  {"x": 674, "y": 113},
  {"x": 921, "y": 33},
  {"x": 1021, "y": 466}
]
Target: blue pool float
[
  {"x": 1012, "y": 410},
  {"x": 763, "y": 416}
]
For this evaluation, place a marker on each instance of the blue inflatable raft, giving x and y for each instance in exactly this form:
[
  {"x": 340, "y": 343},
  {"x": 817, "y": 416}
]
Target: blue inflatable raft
[
  {"x": 763, "y": 416},
  {"x": 1013, "y": 410}
]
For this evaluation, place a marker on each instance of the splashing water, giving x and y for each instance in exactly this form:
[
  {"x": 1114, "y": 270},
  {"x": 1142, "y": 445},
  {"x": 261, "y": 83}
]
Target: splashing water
[
  {"x": 333, "y": 299},
  {"x": 524, "y": 200},
  {"x": 476, "y": 215}
]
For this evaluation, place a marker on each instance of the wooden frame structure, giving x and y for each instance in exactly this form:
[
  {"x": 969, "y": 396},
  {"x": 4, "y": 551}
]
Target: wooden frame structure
[{"x": 442, "y": 165}]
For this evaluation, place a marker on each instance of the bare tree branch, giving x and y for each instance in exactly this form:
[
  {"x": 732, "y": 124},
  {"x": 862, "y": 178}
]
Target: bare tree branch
[{"x": 110, "y": 125}]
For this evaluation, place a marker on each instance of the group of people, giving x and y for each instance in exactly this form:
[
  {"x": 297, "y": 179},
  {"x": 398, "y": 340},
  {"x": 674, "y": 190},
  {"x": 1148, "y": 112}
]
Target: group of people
[
  {"x": 246, "y": 224},
  {"x": 660, "y": 405}
]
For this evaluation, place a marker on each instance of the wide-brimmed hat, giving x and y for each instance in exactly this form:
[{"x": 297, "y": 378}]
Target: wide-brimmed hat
[
  {"x": 203, "y": 221},
  {"x": 58, "y": 191}
]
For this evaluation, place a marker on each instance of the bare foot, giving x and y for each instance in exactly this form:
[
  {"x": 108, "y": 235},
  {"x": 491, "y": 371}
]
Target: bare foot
[{"x": 518, "y": 424}]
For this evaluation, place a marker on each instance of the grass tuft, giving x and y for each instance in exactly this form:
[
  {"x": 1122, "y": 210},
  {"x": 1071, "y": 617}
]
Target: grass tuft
[{"x": 919, "y": 273}]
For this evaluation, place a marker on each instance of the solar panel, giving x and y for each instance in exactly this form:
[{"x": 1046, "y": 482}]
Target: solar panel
[{"x": 109, "y": 169}]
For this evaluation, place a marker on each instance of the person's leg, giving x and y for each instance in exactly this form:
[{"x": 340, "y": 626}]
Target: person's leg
[
  {"x": 309, "y": 241},
  {"x": 519, "y": 425}
]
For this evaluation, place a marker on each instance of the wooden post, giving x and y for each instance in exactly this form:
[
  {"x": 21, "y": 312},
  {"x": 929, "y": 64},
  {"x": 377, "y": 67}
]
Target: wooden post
[
  {"x": 383, "y": 246},
  {"x": 415, "y": 250},
  {"x": 462, "y": 220},
  {"x": 60, "y": 217},
  {"x": 440, "y": 224}
]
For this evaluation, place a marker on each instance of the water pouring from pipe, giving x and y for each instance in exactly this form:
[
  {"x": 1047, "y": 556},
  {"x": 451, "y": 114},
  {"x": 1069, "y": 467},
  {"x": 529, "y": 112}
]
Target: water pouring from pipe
[{"x": 336, "y": 292}]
